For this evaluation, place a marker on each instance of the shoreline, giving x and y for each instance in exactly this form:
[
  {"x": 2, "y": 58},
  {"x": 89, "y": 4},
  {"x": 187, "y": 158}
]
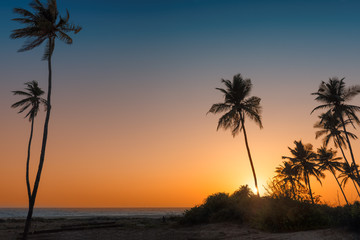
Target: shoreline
[
  {"x": 151, "y": 228},
  {"x": 51, "y": 213}
]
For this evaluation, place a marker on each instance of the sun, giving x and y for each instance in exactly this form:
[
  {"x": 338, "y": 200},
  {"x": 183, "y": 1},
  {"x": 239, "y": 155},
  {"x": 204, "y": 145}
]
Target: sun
[{"x": 254, "y": 190}]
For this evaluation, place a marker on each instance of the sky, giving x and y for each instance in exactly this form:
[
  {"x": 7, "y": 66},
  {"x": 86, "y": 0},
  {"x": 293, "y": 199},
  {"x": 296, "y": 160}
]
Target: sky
[{"x": 128, "y": 125}]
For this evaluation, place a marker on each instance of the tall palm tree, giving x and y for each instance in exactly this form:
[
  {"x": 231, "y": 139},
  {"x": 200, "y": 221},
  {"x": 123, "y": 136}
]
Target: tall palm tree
[
  {"x": 31, "y": 102},
  {"x": 304, "y": 163},
  {"x": 44, "y": 24},
  {"x": 334, "y": 96},
  {"x": 237, "y": 106},
  {"x": 286, "y": 174},
  {"x": 348, "y": 172},
  {"x": 328, "y": 161}
]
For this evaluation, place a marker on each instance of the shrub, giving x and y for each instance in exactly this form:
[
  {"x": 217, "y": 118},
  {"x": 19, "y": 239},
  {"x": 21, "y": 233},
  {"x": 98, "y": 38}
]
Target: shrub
[
  {"x": 272, "y": 214},
  {"x": 220, "y": 207}
]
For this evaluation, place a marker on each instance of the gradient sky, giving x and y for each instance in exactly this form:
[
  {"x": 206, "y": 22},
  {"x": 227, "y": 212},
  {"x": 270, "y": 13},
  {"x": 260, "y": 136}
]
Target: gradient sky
[{"x": 129, "y": 125}]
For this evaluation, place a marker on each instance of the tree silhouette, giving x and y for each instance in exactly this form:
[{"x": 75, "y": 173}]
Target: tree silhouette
[
  {"x": 328, "y": 161},
  {"x": 330, "y": 128},
  {"x": 286, "y": 175},
  {"x": 31, "y": 102},
  {"x": 44, "y": 24},
  {"x": 334, "y": 97},
  {"x": 304, "y": 163},
  {"x": 348, "y": 172},
  {"x": 237, "y": 106}
]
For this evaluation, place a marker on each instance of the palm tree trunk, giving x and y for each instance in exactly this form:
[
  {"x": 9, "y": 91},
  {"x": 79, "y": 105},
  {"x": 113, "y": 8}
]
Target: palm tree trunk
[
  {"x": 293, "y": 190},
  {"x": 308, "y": 180},
  {"x": 351, "y": 152},
  {"x": 43, "y": 148},
  {"x": 251, "y": 162},
  {"x": 28, "y": 160},
  {"x": 355, "y": 187},
  {"x": 347, "y": 162},
  {"x": 332, "y": 171}
]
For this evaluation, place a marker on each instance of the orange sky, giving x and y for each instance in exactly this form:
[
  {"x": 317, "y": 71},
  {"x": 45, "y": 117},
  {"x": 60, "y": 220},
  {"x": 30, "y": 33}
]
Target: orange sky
[
  {"x": 129, "y": 125},
  {"x": 161, "y": 159}
]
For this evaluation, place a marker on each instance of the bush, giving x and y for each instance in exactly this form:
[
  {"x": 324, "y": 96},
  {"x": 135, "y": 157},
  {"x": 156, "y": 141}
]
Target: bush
[
  {"x": 272, "y": 214},
  {"x": 221, "y": 207}
]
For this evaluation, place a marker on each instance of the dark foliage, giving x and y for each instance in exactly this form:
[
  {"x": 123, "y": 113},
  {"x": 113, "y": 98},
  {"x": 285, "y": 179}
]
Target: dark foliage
[
  {"x": 272, "y": 214},
  {"x": 221, "y": 207}
]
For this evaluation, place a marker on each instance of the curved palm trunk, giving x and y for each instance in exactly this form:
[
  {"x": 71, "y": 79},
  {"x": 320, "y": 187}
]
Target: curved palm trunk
[
  {"x": 351, "y": 152},
  {"x": 308, "y": 180},
  {"x": 251, "y": 162},
  {"x": 28, "y": 161},
  {"x": 42, "y": 155},
  {"x": 332, "y": 171},
  {"x": 347, "y": 162},
  {"x": 355, "y": 187}
]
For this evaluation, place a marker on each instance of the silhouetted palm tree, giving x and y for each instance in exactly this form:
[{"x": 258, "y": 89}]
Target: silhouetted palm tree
[
  {"x": 347, "y": 173},
  {"x": 286, "y": 174},
  {"x": 43, "y": 25},
  {"x": 330, "y": 126},
  {"x": 328, "y": 161},
  {"x": 237, "y": 106},
  {"x": 31, "y": 102},
  {"x": 304, "y": 163},
  {"x": 334, "y": 96}
]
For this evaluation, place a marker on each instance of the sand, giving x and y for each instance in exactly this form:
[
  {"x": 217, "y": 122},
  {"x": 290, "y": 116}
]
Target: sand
[{"x": 151, "y": 229}]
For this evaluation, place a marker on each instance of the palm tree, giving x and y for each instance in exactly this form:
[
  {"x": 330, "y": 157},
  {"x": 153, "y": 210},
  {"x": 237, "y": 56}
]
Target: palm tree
[
  {"x": 32, "y": 102},
  {"x": 334, "y": 97},
  {"x": 237, "y": 106},
  {"x": 328, "y": 161},
  {"x": 330, "y": 127},
  {"x": 304, "y": 164},
  {"x": 43, "y": 25},
  {"x": 348, "y": 172},
  {"x": 286, "y": 174}
]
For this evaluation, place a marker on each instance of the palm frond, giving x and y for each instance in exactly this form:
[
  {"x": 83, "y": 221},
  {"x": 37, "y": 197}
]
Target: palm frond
[
  {"x": 22, "y": 93},
  {"x": 31, "y": 44},
  {"x": 21, "y": 102},
  {"x": 24, "y": 12},
  {"x": 64, "y": 37},
  {"x": 219, "y": 107}
]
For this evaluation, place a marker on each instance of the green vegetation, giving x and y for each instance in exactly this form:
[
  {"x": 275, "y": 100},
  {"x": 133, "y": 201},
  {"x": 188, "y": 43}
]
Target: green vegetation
[{"x": 271, "y": 213}]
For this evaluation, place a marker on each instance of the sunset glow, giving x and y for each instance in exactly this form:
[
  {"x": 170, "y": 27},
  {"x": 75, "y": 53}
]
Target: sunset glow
[{"x": 129, "y": 126}]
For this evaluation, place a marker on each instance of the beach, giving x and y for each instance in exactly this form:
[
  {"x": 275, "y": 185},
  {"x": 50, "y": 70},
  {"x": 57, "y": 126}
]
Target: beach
[{"x": 130, "y": 228}]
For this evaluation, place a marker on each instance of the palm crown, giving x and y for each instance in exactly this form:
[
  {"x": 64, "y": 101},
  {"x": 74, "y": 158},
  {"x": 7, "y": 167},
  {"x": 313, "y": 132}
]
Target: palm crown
[
  {"x": 348, "y": 172},
  {"x": 334, "y": 95},
  {"x": 287, "y": 174},
  {"x": 32, "y": 99},
  {"x": 237, "y": 105},
  {"x": 303, "y": 161},
  {"x": 327, "y": 159},
  {"x": 44, "y": 24},
  {"x": 330, "y": 126}
]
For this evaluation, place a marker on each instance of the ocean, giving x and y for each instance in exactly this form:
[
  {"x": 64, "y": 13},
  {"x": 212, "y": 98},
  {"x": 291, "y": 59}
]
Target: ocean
[{"x": 6, "y": 213}]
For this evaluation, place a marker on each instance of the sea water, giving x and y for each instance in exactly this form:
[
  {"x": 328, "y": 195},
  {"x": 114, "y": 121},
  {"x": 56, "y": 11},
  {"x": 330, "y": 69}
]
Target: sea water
[{"x": 6, "y": 213}]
